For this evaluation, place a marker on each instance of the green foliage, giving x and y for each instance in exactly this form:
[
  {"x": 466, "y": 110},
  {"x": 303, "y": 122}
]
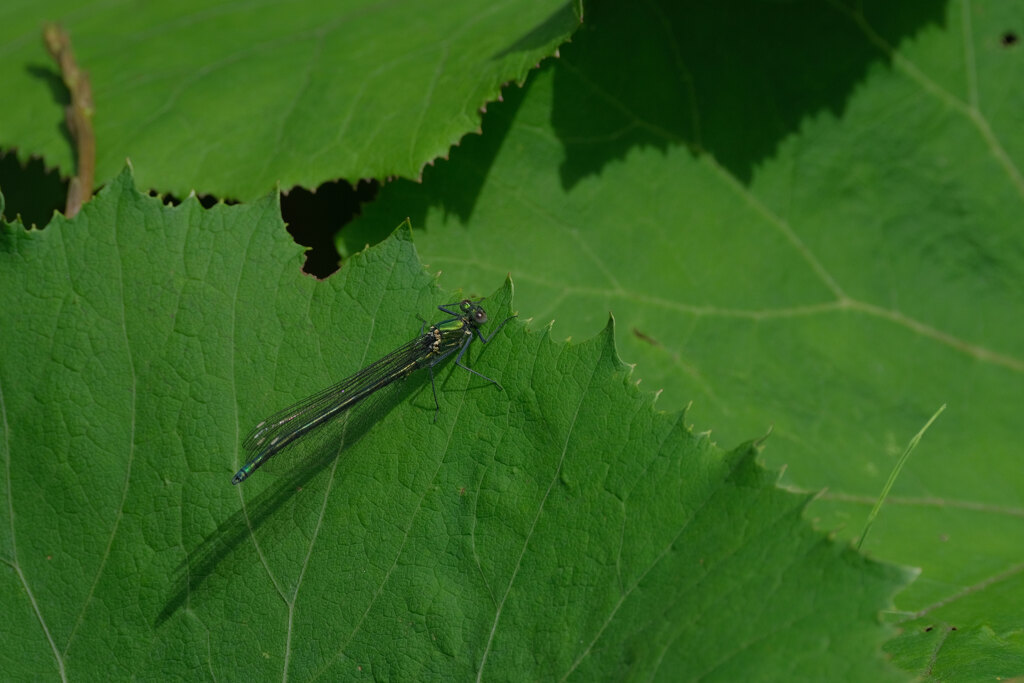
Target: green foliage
[
  {"x": 558, "y": 527},
  {"x": 232, "y": 99},
  {"x": 801, "y": 214},
  {"x": 822, "y": 237}
]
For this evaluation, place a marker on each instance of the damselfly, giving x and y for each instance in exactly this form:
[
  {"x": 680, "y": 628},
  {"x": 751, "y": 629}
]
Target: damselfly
[{"x": 440, "y": 341}]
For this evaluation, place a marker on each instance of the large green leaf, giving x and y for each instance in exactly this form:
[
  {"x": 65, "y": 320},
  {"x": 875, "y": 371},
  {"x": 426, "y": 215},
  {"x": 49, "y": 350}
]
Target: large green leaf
[
  {"x": 803, "y": 215},
  {"x": 232, "y": 98},
  {"x": 561, "y": 527}
]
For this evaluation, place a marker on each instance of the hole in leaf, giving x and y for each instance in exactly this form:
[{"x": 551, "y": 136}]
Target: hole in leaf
[{"x": 314, "y": 219}]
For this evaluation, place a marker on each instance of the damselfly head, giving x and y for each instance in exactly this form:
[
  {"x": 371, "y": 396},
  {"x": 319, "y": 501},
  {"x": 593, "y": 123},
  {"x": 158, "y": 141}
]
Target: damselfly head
[{"x": 474, "y": 311}]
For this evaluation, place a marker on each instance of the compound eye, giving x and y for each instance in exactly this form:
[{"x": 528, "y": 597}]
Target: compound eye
[{"x": 480, "y": 316}]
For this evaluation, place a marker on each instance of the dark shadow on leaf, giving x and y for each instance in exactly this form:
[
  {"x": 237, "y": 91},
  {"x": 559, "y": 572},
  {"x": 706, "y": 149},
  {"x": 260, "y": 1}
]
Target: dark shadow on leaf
[
  {"x": 319, "y": 451},
  {"x": 730, "y": 79},
  {"x": 562, "y": 21},
  {"x": 453, "y": 184},
  {"x": 51, "y": 77},
  {"x": 202, "y": 560}
]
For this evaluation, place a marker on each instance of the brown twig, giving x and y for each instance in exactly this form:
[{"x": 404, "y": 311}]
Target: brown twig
[{"x": 79, "y": 116}]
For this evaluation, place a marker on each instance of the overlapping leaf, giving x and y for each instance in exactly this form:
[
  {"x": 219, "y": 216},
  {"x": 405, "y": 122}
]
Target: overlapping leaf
[{"x": 232, "y": 99}]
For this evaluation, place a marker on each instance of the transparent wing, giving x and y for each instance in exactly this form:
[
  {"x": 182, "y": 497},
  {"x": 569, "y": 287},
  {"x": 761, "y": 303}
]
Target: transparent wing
[{"x": 284, "y": 426}]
